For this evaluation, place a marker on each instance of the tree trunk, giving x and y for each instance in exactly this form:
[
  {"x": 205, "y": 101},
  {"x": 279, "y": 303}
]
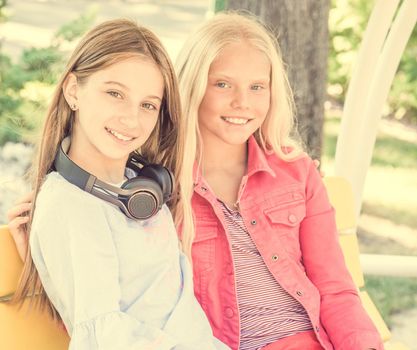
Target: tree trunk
[{"x": 301, "y": 27}]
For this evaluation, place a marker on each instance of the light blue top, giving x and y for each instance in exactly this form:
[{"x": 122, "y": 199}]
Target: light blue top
[{"x": 117, "y": 283}]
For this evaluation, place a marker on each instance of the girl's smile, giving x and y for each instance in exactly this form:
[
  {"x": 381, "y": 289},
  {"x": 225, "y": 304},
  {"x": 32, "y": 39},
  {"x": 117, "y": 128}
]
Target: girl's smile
[
  {"x": 236, "y": 120},
  {"x": 119, "y": 136}
]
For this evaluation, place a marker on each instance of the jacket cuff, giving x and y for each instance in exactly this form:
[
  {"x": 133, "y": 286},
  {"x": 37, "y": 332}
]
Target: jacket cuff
[{"x": 362, "y": 341}]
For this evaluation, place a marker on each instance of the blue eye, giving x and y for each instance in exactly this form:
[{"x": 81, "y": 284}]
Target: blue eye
[
  {"x": 257, "y": 87},
  {"x": 115, "y": 94},
  {"x": 222, "y": 84},
  {"x": 149, "y": 106}
]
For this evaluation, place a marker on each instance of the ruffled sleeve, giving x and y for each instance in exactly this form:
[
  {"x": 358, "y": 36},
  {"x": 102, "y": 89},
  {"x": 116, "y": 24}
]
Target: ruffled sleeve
[
  {"x": 117, "y": 330},
  {"x": 74, "y": 252}
]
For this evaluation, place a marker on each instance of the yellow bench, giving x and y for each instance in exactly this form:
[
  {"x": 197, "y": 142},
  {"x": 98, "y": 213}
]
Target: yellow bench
[
  {"x": 341, "y": 197},
  {"x": 25, "y": 328},
  {"x": 30, "y": 329}
]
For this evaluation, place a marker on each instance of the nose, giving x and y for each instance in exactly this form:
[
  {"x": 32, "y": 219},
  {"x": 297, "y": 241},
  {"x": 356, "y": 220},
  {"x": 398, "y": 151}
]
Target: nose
[
  {"x": 240, "y": 99},
  {"x": 130, "y": 118}
]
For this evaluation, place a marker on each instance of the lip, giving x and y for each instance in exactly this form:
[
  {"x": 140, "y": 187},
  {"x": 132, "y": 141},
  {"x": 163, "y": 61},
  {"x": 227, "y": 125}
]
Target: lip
[
  {"x": 126, "y": 135},
  {"x": 236, "y": 117},
  {"x": 244, "y": 120}
]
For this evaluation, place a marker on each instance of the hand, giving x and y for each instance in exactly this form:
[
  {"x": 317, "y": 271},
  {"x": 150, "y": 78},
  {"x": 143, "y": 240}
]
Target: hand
[
  {"x": 317, "y": 164},
  {"x": 18, "y": 217}
]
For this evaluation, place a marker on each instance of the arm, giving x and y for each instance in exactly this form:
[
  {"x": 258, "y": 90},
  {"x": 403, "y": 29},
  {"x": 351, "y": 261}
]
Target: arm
[
  {"x": 73, "y": 250},
  {"x": 342, "y": 315}
]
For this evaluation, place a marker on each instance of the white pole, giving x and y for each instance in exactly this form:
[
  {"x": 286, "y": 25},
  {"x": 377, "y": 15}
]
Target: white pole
[
  {"x": 389, "y": 265},
  {"x": 358, "y": 91},
  {"x": 388, "y": 62}
]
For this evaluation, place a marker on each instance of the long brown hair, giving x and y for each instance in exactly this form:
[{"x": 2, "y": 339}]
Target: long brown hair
[{"x": 101, "y": 47}]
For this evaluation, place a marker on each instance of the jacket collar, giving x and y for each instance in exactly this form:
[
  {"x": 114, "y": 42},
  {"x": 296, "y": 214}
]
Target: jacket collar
[{"x": 257, "y": 158}]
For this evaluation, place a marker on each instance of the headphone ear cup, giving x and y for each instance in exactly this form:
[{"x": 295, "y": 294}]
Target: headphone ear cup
[
  {"x": 146, "y": 200},
  {"x": 162, "y": 176}
]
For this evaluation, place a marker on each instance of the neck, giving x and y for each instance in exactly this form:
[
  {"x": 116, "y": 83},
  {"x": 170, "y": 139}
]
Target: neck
[
  {"x": 91, "y": 160},
  {"x": 225, "y": 156}
]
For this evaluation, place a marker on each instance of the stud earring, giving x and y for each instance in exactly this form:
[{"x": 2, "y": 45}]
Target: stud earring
[{"x": 74, "y": 107}]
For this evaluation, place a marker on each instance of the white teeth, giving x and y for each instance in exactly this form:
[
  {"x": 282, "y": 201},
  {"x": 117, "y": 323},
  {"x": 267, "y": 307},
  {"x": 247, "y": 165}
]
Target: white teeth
[
  {"x": 119, "y": 136},
  {"x": 239, "y": 121}
]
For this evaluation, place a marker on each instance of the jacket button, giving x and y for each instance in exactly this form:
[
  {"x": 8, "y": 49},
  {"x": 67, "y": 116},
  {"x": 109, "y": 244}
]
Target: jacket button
[
  {"x": 274, "y": 257},
  {"x": 299, "y": 293},
  {"x": 204, "y": 189},
  {"x": 292, "y": 218},
  {"x": 253, "y": 222},
  {"x": 229, "y": 312},
  {"x": 317, "y": 328}
]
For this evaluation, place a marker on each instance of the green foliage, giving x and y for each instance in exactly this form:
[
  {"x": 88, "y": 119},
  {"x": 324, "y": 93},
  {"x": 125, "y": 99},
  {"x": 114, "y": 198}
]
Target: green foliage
[
  {"x": 3, "y": 4},
  {"x": 26, "y": 86},
  {"x": 392, "y": 294},
  {"x": 403, "y": 95},
  {"x": 41, "y": 64},
  {"x": 76, "y": 28},
  {"x": 219, "y": 5},
  {"x": 347, "y": 23}
]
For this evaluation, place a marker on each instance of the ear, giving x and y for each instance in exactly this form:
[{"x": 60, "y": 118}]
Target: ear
[{"x": 70, "y": 89}]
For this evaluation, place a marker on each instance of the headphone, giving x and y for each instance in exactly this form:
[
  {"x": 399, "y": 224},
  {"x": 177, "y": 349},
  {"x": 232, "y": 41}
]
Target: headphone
[{"x": 139, "y": 198}]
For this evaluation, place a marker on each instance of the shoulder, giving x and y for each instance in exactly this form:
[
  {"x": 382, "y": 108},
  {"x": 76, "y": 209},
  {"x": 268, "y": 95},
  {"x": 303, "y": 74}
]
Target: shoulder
[
  {"x": 60, "y": 203},
  {"x": 300, "y": 165},
  {"x": 59, "y": 193}
]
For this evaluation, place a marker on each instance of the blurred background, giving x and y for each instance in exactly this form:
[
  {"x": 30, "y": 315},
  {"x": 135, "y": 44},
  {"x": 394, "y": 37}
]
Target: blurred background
[{"x": 319, "y": 41}]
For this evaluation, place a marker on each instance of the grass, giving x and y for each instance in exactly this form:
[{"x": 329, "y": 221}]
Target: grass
[
  {"x": 390, "y": 194},
  {"x": 392, "y": 294},
  {"x": 389, "y": 152},
  {"x": 391, "y": 187}
]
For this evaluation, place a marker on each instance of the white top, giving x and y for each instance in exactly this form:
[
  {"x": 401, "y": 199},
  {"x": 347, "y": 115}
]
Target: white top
[{"x": 117, "y": 283}]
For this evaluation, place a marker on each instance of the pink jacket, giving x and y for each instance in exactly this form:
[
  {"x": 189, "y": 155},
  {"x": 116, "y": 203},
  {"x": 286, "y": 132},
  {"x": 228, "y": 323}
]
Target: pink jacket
[{"x": 287, "y": 213}]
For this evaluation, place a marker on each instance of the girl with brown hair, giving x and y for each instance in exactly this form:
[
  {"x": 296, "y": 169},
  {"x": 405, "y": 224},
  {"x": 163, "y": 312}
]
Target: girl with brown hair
[{"x": 111, "y": 134}]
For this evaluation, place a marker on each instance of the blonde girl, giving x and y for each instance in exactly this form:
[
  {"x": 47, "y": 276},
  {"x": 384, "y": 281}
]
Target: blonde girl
[
  {"x": 268, "y": 268},
  {"x": 117, "y": 283}
]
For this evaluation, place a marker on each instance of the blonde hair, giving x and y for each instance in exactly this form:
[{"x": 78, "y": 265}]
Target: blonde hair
[
  {"x": 277, "y": 132},
  {"x": 101, "y": 47}
]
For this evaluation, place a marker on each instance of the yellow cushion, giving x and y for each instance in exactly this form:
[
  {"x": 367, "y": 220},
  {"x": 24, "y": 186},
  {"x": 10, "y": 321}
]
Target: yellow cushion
[
  {"x": 24, "y": 328},
  {"x": 10, "y": 263},
  {"x": 375, "y": 316},
  {"x": 341, "y": 197}
]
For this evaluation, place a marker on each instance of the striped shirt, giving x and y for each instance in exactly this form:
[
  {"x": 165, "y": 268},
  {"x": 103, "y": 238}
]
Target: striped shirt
[{"x": 267, "y": 311}]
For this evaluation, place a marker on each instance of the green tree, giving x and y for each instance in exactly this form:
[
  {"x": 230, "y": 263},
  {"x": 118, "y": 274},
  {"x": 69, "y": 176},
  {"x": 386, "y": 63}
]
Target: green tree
[
  {"x": 26, "y": 86},
  {"x": 347, "y": 21}
]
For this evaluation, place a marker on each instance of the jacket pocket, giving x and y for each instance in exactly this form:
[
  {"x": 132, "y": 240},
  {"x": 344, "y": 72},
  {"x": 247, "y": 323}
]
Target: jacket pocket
[
  {"x": 289, "y": 216},
  {"x": 285, "y": 224}
]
